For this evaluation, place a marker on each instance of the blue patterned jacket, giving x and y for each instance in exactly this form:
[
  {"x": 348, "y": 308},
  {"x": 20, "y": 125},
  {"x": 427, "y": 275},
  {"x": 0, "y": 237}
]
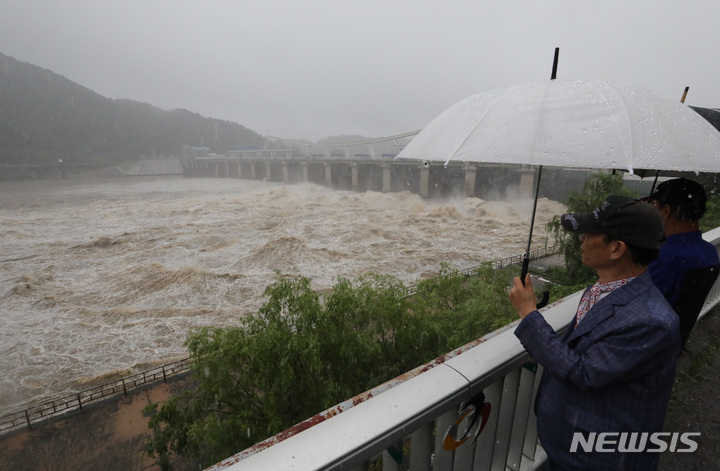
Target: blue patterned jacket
[{"x": 613, "y": 373}]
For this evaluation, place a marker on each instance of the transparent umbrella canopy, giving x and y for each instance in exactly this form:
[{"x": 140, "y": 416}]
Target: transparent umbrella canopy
[{"x": 571, "y": 123}]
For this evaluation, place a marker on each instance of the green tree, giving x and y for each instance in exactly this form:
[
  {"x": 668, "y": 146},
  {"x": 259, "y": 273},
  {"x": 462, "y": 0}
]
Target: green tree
[
  {"x": 253, "y": 381},
  {"x": 597, "y": 187},
  {"x": 461, "y": 308},
  {"x": 711, "y": 218}
]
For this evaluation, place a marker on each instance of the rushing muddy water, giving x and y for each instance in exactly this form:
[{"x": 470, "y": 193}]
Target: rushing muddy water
[{"x": 105, "y": 278}]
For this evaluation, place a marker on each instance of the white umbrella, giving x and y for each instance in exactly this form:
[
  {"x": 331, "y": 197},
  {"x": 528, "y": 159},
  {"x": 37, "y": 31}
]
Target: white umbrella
[{"x": 571, "y": 123}]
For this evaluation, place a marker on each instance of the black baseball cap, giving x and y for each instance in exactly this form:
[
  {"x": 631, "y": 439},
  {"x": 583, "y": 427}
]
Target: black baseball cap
[
  {"x": 687, "y": 195},
  {"x": 621, "y": 218}
]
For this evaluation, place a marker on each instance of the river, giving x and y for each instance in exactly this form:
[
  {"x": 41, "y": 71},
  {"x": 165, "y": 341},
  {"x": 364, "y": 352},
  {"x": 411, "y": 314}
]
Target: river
[{"x": 104, "y": 278}]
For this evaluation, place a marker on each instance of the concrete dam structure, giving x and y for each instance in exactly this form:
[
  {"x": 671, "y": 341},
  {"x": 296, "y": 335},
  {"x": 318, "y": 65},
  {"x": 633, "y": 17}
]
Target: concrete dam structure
[{"x": 427, "y": 179}]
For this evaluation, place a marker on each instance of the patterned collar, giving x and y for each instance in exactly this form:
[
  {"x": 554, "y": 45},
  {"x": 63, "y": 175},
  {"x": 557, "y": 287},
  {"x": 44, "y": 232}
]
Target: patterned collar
[{"x": 592, "y": 296}]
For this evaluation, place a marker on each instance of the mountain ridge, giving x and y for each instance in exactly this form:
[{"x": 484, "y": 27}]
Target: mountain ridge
[{"x": 45, "y": 117}]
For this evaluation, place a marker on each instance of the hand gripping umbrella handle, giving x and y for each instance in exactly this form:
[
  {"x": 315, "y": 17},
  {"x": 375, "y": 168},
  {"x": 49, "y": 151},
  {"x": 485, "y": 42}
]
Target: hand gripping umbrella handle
[{"x": 546, "y": 294}]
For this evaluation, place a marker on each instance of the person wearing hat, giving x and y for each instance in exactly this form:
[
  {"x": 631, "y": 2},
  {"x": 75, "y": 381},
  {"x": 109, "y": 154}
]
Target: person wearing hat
[
  {"x": 612, "y": 370},
  {"x": 685, "y": 255}
]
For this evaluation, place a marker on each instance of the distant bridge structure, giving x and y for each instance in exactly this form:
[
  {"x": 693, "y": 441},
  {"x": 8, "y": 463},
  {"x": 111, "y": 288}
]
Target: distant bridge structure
[{"x": 381, "y": 148}]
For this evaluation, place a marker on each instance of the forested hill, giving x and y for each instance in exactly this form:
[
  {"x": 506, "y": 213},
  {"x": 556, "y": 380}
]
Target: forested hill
[{"x": 45, "y": 117}]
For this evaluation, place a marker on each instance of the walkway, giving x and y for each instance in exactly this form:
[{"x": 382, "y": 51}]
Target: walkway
[{"x": 695, "y": 406}]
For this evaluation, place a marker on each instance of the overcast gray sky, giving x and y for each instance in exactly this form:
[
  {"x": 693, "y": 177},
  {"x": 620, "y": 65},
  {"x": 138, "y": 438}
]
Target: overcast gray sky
[{"x": 315, "y": 68}]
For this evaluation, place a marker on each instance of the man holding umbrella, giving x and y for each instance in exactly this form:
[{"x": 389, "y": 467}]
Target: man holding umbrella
[{"x": 611, "y": 372}]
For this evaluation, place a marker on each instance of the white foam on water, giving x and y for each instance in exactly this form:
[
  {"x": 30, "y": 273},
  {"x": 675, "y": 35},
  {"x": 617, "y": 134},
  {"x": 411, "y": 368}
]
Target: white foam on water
[{"x": 99, "y": 279}]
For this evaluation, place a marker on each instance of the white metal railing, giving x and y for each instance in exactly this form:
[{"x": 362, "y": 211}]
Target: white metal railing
[{"x": 405, "y": 422}]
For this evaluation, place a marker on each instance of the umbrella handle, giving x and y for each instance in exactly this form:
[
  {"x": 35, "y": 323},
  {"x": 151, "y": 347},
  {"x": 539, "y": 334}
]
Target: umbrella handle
[
  {"x": 525, "y": 266},
  {"x": 545, "y": 295},
  {"x": 545, "y": 298}
]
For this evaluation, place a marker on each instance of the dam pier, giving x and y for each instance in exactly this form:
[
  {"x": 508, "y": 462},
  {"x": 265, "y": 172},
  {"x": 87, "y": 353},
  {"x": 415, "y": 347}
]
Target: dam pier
[{"x": 427, "y": 179}]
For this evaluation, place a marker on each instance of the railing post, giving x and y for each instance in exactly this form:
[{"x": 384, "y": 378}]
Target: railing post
[
  {"x": 523, "y": 410},
  {"x": 485, "y": 444},
  {"x": 508, "y": 404},
  {"x": 443, "y": 457},
  {"x": 421, "y": 448},
  {"x": 392, "y": 457}
]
